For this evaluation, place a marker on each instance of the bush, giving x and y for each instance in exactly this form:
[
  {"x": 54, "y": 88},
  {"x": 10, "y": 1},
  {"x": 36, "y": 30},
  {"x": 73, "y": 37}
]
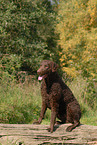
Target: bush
[
  {"x": 11, "y": 63},
  {"x": 27, "y": 30}
]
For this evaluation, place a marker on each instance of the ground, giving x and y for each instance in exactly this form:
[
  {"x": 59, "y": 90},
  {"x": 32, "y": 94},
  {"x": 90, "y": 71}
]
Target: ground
[{"x": 29, "y": 134}]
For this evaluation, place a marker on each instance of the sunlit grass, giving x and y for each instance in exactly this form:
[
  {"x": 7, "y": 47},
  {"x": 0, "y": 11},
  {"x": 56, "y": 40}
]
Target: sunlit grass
[
  {"x": 21, "y": 103},
  {"x": 90, "y": 119}
]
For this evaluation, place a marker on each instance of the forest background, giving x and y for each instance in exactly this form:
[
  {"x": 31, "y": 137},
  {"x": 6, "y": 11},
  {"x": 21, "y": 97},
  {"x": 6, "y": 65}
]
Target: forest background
[{"x": 64, "y": 31}]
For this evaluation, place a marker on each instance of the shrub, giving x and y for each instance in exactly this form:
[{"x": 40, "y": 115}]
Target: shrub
[{"x": 10, "y": 63}]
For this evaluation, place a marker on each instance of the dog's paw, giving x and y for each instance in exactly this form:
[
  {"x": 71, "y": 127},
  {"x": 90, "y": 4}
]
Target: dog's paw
[
  {"x": 50, "y": 130},
  {"x": 69, "y": 129},
  {"x": 36, "y": 122}
]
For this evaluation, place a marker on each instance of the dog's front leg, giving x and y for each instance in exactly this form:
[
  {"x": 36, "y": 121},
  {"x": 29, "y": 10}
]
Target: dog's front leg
[
  {"x": 43, "y": 110},
  {"x": 53, "y": 119},
  {"x": 54, "y": 110}
]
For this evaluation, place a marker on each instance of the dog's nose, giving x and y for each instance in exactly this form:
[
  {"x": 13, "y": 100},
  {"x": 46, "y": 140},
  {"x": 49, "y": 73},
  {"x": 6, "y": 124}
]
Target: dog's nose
[{"x": 38, "y": 71}]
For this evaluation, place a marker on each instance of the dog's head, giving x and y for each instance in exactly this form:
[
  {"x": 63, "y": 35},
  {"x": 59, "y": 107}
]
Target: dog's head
[{"x": 46, "y": 67}]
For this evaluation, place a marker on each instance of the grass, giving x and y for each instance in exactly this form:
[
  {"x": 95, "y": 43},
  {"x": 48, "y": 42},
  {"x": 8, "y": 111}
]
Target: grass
[
  {"x": 21, "y": 103},
  {"x": 89, "y": 120},
  {"x": 83, "y": 91}
]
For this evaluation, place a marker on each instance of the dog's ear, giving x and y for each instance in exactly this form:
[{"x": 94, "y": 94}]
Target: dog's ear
[{"x": 54, "y": 66}]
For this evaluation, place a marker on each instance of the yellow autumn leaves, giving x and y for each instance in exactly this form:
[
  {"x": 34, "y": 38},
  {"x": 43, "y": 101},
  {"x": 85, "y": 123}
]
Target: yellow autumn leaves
[{"x": 77, "y": 28}]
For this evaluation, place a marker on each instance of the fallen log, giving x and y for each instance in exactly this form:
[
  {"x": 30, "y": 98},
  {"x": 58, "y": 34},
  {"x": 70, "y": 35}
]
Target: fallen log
[{"x": 29, "y": 134}]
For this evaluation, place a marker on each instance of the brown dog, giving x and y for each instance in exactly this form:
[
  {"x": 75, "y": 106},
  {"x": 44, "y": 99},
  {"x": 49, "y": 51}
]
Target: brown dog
[{"x": 58, "y": 97}]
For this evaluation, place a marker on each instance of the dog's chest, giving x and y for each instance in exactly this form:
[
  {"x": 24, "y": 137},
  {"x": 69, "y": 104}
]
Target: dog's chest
[
  {"x": 48, "y": 102},
  {"x": 46, "y": 97},
  {"x": 45, "y": 90}
]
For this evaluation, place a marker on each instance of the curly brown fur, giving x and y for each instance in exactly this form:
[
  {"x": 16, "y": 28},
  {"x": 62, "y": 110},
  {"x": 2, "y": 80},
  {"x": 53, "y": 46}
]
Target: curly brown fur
[{"x": 57, "y": 96}]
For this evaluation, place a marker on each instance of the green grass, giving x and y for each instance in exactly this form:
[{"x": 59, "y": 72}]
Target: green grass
[
  {"x": 86, "y": 96},
  {"x": 21, "y": 103},
  {"x": 89, "y": 120}
]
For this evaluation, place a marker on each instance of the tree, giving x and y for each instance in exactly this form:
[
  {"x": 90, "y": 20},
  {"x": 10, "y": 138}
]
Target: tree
[
  {"x": 27, "y": 30},
  {"x": 77, "y": 25}
]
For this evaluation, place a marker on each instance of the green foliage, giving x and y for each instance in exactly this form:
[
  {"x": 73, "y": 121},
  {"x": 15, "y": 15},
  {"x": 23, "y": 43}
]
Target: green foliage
[
  {"x": 11, "y": 63},
  {"x": 27, "y": 30}
]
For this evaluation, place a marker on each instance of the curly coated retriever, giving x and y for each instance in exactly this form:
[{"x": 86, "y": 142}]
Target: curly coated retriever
[{"x": 58, "y": 97}]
